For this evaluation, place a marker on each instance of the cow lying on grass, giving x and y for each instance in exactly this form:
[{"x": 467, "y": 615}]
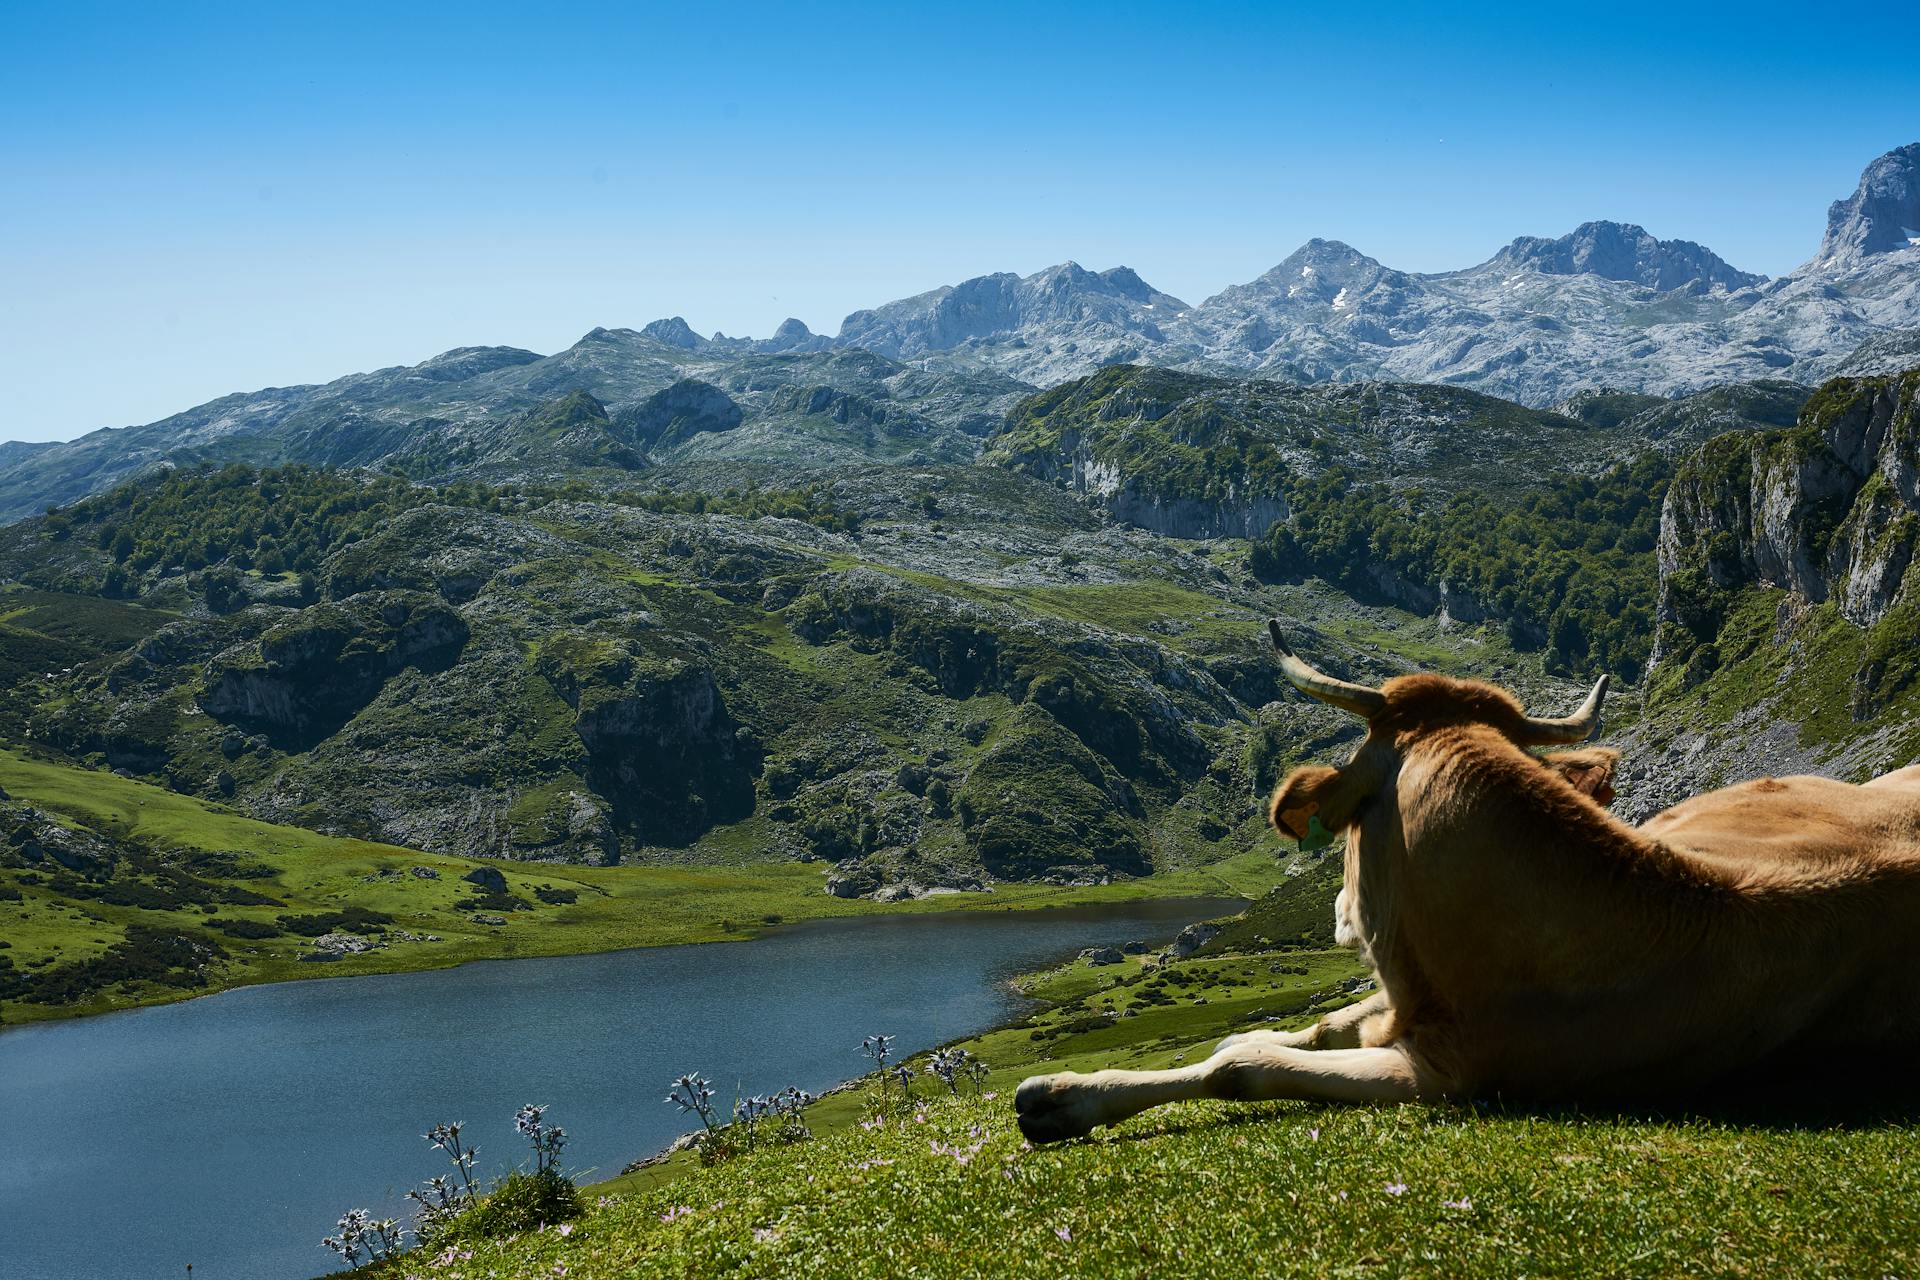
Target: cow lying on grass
[{"x": 1531, "y": 946}]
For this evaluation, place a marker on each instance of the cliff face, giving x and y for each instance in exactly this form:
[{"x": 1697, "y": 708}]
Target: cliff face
[
  {"x": 1233, "y": 514},
  {"x": 1828, "y": 510},
  {"x": 1788, "y": 605}
]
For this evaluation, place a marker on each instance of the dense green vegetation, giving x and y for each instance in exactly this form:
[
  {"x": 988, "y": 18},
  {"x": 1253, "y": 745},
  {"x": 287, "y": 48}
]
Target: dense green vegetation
[
  {"x": 1199, "y": 447},
  {"x": 277, "y": 520},
  {"x": 810, "y": 504},
  {"x": 287, "y": 519},
  {"x": 1568, "y": 568}
]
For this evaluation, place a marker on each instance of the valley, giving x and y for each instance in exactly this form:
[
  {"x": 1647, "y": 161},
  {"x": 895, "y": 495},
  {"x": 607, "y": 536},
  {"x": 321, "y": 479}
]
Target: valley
[{"x": 274, "y": 722}]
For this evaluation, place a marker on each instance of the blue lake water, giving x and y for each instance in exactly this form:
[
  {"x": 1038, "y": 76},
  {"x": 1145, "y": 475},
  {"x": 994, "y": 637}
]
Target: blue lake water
[{"x": 231, "y": 1131}]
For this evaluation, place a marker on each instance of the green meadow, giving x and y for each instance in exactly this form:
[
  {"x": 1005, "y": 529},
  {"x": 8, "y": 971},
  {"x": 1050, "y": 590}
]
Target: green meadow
[{"x": 437, "y": 920}]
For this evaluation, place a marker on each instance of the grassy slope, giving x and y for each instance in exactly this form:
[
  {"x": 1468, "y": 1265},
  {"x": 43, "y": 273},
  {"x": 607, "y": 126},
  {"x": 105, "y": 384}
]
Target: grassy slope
[
  {"x": 624, "y": 906},
  {"x": 1213, "y": 1190}
]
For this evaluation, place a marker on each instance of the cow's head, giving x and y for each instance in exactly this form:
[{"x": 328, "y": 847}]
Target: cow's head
[{"x": 1399, "y": 715}]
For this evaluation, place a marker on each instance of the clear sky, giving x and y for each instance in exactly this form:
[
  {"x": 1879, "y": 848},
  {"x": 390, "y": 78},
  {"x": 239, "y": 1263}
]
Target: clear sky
[{"x": 200, "y": 198}]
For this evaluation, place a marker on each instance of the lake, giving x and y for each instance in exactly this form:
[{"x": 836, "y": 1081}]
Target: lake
[{"x": 231, "y": 1131}]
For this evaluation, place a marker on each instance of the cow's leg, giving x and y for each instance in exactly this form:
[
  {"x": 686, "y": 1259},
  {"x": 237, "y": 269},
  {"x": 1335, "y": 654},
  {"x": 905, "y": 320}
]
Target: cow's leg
[
  {"x": 1070, "y": 1105},
  {"x": 1340, "y": 1029}
]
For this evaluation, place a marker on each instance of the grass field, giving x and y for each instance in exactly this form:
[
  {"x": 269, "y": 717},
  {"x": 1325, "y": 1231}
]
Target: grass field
[
  {"x": 610, "y": 907},
  {"x": 1211, "y": 1191},
  {"x": 948, "y": 1188}
]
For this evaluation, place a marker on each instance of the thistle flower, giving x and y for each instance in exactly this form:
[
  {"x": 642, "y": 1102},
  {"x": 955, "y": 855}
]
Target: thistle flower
[
  {"x": 694, "y": 1093},
  {"x": 949, "y": 1066},
  {"x": 879, "y": 1048},
  {"x": 527, "y": 1120},
  {"x": 547, "y": 1139}
]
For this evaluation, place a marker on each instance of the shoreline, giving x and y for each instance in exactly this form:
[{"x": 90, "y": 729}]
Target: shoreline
[
  {"x": 1193, "y": 884},
  {"x": 596, "y": 909}
]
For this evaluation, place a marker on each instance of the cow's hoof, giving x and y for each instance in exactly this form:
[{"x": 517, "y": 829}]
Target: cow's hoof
[{"x": 1051, "y": 1109}]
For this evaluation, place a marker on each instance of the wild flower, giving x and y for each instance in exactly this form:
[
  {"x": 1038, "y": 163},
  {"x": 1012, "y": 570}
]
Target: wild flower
[
  {"x": 879, "y": 1048},
  {"x": 948, "y": 1066},
  {"x": 446, "y": 1137},
  {"x": 379, "y": 1238},
  {"x": 547, "y": 1139},
  {"x": 678, "y": 1211},
  {"x": 1065, "y": 1233},
  {"x": 694, "y": 1093},
  {"x": 1462, "y": 1203},
  {"x": 788, "y": 1105},
  {"x": 442, "y": 1200},
  {"x": 1396, "y": 1188},
  {"x": 961, "y": 1155},
  {"x": 438, "y": 1205},
  {"x": 748, "y": 1112}
]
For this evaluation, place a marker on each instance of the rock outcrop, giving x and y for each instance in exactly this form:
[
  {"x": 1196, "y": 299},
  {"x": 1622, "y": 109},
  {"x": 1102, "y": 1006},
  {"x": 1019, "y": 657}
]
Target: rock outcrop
[
  {"x": 1829, "y": 510},
  {"x": 687, "y": 408},
  {"x": 1881, "y": 216},
  {"x": 306, "y": 677}
]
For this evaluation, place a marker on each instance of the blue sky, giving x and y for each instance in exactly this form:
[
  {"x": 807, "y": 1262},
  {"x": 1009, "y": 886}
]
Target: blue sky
[{"x": 201, "y": 198}]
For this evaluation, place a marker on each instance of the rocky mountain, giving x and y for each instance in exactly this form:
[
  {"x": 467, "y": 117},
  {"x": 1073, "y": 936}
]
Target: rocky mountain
[
  {"x": 1615, "y": 251},
  {"x": 1828, "y": 511},
  {"x": 1606, "y": 306},
  {"x": 1891, "y": 352},
  {"x": 905, "y": 684},
  {"x": 1045, "y": 663},
  {"x": 492, "y": 411},
  {"x": 1882, "y": 216},
  {"x": 1041, "y": 328}
]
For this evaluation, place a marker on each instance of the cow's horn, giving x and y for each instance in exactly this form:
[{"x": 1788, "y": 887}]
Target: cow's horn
[
  {"x": 1577, "y": 727},
  {"x": 1357, "y": 698}
]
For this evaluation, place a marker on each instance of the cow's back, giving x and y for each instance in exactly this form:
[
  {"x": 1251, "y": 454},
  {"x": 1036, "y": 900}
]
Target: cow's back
[{"x": 1796, "y": 829}]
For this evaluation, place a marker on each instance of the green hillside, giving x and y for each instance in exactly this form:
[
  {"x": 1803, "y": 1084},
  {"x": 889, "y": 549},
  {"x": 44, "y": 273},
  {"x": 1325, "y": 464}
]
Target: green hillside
[{"x": 115, "y": 893}]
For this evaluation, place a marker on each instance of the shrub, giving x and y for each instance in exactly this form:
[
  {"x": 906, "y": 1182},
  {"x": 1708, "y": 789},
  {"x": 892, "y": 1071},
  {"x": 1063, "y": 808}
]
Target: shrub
[
  {"x": 522, "y": 1201},
  {"x": 350, "y": 920}
]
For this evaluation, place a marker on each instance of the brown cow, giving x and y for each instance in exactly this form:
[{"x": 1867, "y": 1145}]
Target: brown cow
[{"x": 1530, "y": 945}]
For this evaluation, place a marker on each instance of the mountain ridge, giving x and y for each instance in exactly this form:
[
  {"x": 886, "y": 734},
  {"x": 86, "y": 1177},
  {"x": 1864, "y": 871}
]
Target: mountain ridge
[{"x": 1608, "y": 307}]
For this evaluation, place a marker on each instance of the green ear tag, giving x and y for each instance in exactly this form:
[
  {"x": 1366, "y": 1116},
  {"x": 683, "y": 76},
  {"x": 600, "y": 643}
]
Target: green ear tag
[{"x": 1317, "y": 837}]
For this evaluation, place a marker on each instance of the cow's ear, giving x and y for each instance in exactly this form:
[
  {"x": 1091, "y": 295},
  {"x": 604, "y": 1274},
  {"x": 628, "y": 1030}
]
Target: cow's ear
[
  {"x": 1588, "y": 770},
  {"x": 1314, "y": 793}
]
